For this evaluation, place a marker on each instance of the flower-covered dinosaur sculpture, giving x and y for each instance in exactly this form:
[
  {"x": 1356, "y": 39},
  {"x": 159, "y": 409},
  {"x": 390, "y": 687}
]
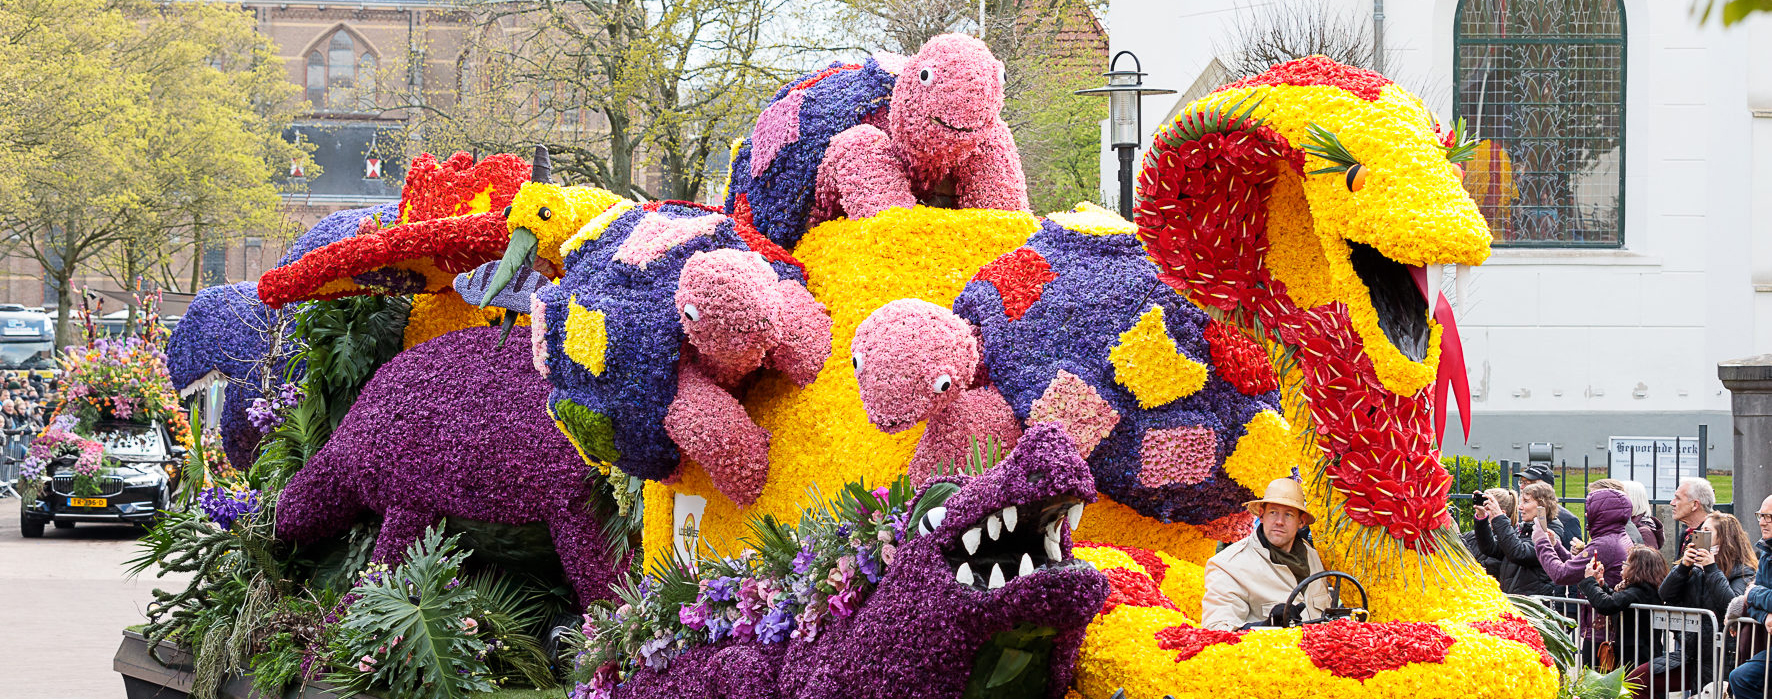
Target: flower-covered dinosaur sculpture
[
  {"x": 854, "y": 139},
  {"x": 615, "y": 335},
  {"x": 945, "y": 143},
  {"x": 918, "y": 362},
  {"x": 1077, "y": 328},
  {"x": 739, "y": 316},
  {"x": 775, "y": 170},
  {"x": 453, "y": 428},
  {"x": 978, "y": 586}
]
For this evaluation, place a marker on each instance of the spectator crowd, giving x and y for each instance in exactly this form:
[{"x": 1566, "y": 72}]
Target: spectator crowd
[
  {"x": 1533, "y": 546},
  {"x": 25, "y": 403}
]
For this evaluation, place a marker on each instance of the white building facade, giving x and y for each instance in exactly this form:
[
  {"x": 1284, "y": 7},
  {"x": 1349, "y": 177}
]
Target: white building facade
[{"x": 1634, "y": 228}]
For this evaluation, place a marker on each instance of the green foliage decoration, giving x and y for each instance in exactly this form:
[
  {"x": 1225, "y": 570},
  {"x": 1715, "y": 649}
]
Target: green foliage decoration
[{"x": 407, "y": 629}]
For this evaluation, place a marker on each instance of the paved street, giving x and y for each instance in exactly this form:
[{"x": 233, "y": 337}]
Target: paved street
[{"x": 65, "y": 601}]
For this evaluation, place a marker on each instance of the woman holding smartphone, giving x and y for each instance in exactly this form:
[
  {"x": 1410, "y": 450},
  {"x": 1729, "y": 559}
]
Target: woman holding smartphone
[
  {"x": 1716, "y": 567},
  {"x": 1519, "y": 571}
]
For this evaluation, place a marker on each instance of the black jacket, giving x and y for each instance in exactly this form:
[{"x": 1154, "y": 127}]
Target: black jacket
[
  {"x": 1491, "y": 564},
  {"x": 1637, "y": 643},
  {"x": 1704, "y": 588},
  {"x": 1519, "y": 571}
]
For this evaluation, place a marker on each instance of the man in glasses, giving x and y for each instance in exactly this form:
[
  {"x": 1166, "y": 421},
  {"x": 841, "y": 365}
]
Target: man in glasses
[{"x": 1748, "y": 680}]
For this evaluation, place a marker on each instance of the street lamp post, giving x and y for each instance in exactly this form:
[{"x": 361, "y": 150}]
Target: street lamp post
[{"x": 1125, "y": 89}]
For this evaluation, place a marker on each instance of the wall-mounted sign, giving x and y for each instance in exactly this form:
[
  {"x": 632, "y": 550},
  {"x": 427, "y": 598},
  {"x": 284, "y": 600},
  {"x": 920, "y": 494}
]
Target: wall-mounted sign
[{"x": 1657, "y": 462}]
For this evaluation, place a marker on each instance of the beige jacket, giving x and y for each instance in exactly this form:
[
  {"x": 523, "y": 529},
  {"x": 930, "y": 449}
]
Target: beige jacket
[{"x": 1243, "y": 583}]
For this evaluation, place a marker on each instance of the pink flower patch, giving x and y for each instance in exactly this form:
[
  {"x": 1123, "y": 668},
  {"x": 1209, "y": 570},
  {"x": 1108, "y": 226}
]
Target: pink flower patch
[
  {"x": 777, "y": 126},
  {"x": 1073, "y": 403},
  {"x": 656, "y": 234},
  {"x": 1183, "y": 454},
  {"x": 538, "y": 333}
]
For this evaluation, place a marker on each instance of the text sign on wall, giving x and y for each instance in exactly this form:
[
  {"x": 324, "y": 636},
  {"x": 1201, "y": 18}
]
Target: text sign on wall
[{"x": 1657, "y": 462}]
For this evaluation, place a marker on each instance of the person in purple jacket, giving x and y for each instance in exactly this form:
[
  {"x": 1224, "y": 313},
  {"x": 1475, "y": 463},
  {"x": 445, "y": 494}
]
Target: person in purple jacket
[{"x": 1608, "y": 513}]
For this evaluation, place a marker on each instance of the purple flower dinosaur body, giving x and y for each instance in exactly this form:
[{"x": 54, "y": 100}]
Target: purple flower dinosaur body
[
  {"x": 454, "y": 427},
  {"x": 949, "y": 591},
  {"x": 946, "y": 143}
]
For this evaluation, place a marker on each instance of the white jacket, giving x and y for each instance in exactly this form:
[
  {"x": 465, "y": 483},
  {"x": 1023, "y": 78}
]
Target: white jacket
[{"x": 1243, "y": 583}]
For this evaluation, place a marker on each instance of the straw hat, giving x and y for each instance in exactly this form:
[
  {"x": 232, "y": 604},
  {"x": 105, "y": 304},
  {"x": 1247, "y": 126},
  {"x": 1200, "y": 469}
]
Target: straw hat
[{"x": 1283, "y": 491}]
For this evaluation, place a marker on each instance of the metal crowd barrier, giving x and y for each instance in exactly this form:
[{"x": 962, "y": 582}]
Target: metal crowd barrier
[
  {"x": 1746, "y": 638},
  {"x": 1676, "y": 661},
  {"x": 9, "y": 468}
]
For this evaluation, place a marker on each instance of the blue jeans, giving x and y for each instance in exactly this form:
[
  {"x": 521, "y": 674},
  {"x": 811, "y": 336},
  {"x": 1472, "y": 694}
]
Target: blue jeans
[{"x": 1748, "y": 680}]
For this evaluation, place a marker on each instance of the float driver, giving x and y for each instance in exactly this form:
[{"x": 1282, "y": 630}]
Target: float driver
[{"x": 1249, "y": 579}]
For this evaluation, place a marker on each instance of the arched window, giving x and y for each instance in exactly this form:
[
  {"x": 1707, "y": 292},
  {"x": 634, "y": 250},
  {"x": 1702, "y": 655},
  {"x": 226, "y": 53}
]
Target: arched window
[
  {"x": 340, "y": 76},
  {"x": 1541, "y": 85}
]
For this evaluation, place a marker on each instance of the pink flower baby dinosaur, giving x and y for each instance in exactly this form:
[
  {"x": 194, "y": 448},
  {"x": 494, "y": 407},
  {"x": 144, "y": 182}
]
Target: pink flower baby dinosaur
[
  {"x": 918, "y": 362},
  {"x": 947, "y": 145},
  {"x": 739, "y": 317}
]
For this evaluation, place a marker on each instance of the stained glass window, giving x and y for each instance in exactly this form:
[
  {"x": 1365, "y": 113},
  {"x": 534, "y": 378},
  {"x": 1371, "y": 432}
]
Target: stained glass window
[{"x": 1541, "y": 84}]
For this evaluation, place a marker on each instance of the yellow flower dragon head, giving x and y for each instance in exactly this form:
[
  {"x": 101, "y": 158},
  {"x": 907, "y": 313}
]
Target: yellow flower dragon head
[{"x": 1304, "y": 204}]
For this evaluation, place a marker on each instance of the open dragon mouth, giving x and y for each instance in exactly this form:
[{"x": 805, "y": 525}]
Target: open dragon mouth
[
  {"x": 1014, "y": 542},
  {"x": 1402, "y": 310}
]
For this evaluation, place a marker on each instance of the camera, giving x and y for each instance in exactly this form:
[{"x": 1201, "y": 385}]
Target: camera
[{"x": 1478, "y": 499}]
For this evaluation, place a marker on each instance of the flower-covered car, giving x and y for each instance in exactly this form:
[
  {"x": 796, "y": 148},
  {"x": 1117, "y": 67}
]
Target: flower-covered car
[{"x": 120, "y": 471}]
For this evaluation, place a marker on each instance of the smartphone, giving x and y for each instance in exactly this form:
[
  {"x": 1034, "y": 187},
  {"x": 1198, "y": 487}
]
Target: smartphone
[{"x": 1701, "y": 540}]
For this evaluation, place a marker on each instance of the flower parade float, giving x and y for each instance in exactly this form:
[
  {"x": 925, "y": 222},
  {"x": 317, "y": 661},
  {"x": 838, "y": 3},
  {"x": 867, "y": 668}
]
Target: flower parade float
[{"x": 703, "y": 378}]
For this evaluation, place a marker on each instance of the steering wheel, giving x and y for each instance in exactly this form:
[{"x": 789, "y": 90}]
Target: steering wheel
[{"x": 1335, "y": 610}]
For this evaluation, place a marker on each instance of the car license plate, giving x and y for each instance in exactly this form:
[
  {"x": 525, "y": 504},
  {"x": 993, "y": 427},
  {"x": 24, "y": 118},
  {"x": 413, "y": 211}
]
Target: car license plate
[{"x": 86, "y": 502}]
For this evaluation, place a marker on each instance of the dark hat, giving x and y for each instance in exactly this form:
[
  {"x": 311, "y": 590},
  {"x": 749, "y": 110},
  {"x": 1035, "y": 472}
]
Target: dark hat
[{"x": 1538, "y": 472}]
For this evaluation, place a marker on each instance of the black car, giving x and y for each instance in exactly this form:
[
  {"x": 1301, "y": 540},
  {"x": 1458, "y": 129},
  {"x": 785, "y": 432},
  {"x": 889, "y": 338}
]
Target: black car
[{"x": 136, "y": 490}]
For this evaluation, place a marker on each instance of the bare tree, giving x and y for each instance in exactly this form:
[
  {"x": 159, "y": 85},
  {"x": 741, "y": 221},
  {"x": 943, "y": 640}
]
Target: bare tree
[
  {"x": 611, "y": 86},
  {"x": 1288, "y": 30}
]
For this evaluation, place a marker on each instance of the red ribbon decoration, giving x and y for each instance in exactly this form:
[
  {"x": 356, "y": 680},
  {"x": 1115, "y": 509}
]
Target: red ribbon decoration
[{"x": 1452, "y": 374}]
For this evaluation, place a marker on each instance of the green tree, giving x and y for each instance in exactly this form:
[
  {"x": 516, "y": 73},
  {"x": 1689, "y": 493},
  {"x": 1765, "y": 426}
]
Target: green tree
[{"x": 133, "y": 121}]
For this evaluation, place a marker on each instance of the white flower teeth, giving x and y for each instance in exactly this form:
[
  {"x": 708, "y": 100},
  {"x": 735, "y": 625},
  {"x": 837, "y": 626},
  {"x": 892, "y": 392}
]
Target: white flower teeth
[
  {"x": 1027, "y": 566},
  {"x": 994, "y": 526},
  {"x": 1075, "y": 515},
  {"x": 1054, "y": 546},
  {"x": 932, "y": 520},
  {"x": 964, "y": 574},
  {"x": 970, "y": 539},
  {"x": 996, "y": 576},
  {"x": 1009, "y": 518}
]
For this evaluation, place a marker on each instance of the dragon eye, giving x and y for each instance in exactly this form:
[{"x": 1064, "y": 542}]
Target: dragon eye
[
  {"x": 943, "y": 383},
  {"x": 855, "y": 361},
  {"x": 926, "y": 76},
  {"x": 507, "y": 212},
  {"x": 688, "y": 309},
  {"x": 1356, "y": 178},
  {"x": 544, "y": 213}
]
